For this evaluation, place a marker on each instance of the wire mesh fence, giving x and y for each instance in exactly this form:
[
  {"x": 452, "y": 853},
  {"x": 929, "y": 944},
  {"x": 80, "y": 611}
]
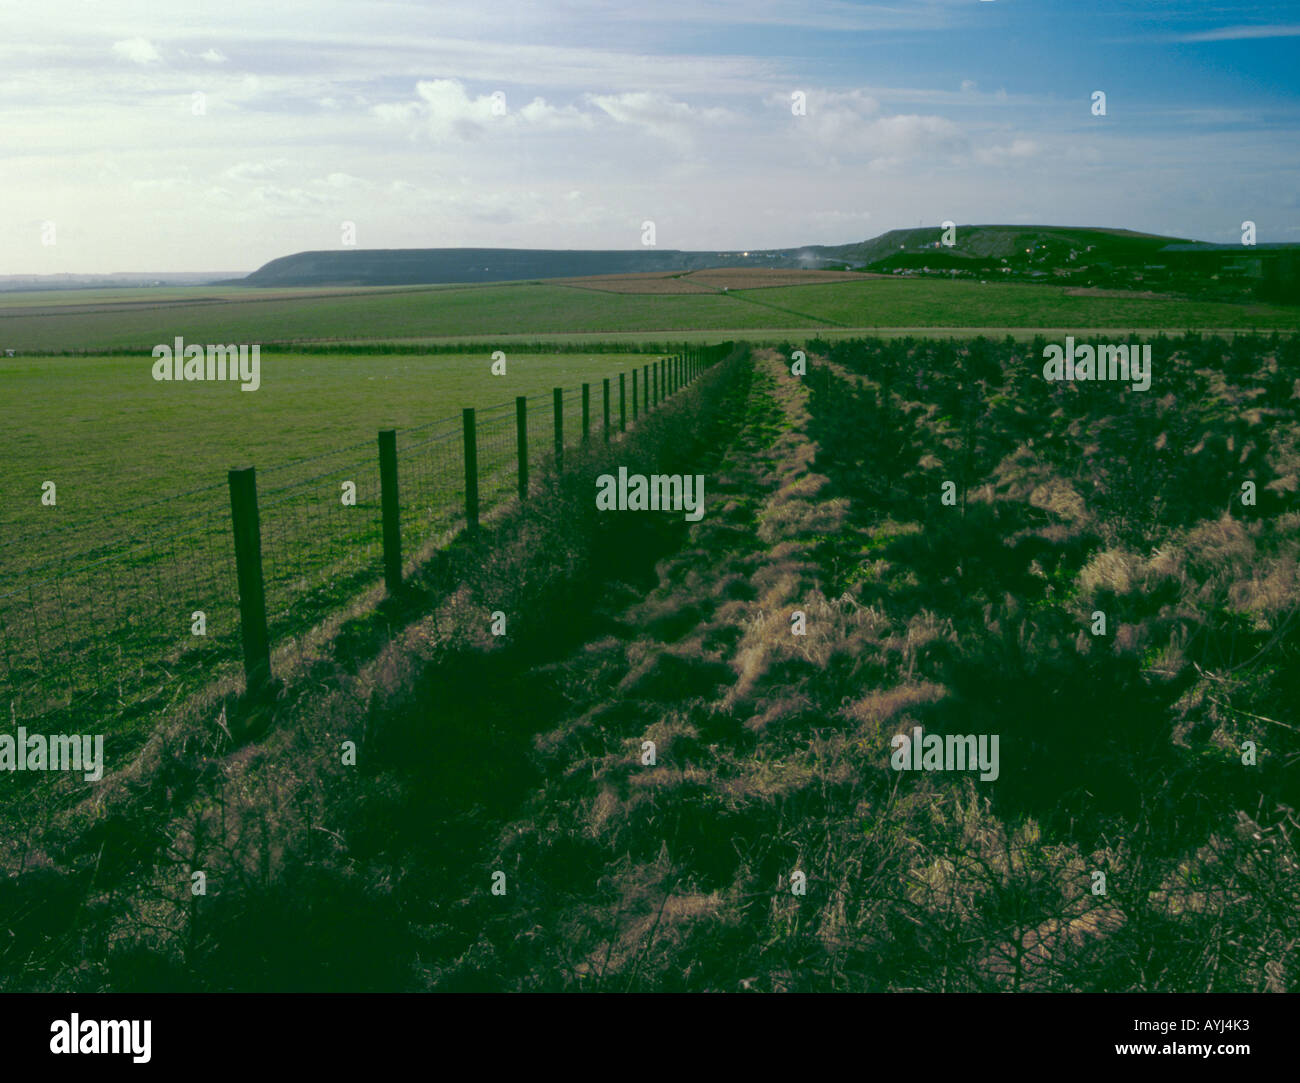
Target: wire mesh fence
[
  {"x": 140, "y": 619},
  {"x": 431, "y": 482}
]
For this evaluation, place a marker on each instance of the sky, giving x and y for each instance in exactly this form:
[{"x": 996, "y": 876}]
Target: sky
[{"x": 197, "y": 135}]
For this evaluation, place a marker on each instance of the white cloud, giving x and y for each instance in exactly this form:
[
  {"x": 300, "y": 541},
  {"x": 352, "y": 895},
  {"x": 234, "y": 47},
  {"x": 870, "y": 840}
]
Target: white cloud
[
  {"x": 1242, "y": 33},
  {"x": 1017, "y": 150},
  {"x": 666, "y": 118},
  {"x": 852, "y": 124},
  {"x": 249, "y": 172},
  {"x": 446, "y": 112},
  {"x": 137, "y": 51},
  {"x": 212, "y": 56}
]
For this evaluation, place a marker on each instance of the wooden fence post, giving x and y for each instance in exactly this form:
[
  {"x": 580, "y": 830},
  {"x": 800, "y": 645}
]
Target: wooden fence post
[
  {"x": 586, "y": 413},
  {"x": 622, "y": 403},
  {"x": 521, "y": 440},
  {"x": 247, "y": 532},
  {"x": 645, "y": 379},
  {"x": 471, "y": 468},
  {"x": 607, "y": 409},
  {"x": 390, "y": 509},
  {"x": 636, "y": 396},
  {"x": 557, "y": 398}
]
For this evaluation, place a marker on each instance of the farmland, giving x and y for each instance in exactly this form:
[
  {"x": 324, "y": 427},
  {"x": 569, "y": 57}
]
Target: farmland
[
  {"x": 102, "y": 588},
  {"x": 492, "y": 312},
  {"x": 712, "y": 280},
  {"x": 140, "y": 465},
  {"x": 130, "y": 440},
  {"x": 975, "y": 614},
  {"x": 823, "y": 497}
]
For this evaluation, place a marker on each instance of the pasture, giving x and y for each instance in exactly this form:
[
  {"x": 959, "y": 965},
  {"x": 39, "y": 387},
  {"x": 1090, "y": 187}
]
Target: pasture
[
  {"x": 113, "y": 438},
  {"x": 103, "y": 582},
  {"x": 98, "y": 595},
  {"x": 57, "y": 324},
  {"x": 99, "y": 589}
]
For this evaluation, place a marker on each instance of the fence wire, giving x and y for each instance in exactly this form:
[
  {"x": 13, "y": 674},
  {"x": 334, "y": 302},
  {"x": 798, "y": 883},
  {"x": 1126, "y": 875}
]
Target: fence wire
[{"x": 138, "y": 620}]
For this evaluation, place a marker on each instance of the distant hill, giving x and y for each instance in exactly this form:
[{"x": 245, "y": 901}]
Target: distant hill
[
  {"x": 1075, "y": 256},
  {"x": 995, "y": 243},
  {"x": 417, "y": 266},
  {"x": 1086, "y": 258}
]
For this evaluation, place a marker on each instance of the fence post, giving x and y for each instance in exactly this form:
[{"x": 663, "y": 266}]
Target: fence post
[
  {"x": 622, "y": 403},
  {"x": 586, "y": 413},
  {"x": 557, "y": 398},
  {"x": 658, "y": 367},
  {"x": 607, "y": 409},
  {"x": 390, "y": 510},
  {"x": 247, "y": 532},
  {"x": 636, "y": 396},
  {"x": 471, "y": 468},
  {"x": 521, "y": 428},
  {"x": 646, "y": 380}
]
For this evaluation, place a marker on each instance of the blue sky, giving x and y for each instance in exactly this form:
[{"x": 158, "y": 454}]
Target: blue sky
[{"x": 194, "y": 135}]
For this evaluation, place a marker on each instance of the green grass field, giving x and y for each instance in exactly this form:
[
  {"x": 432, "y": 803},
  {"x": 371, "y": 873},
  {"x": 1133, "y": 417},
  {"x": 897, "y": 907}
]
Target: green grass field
[
  {"x": 139, "y": 536},
  {"x": 102, "y": 584},
  {"x": 964, "y": 303},
  {"x": 111, "y": 437},
  {"x": 136, "y": 320}
]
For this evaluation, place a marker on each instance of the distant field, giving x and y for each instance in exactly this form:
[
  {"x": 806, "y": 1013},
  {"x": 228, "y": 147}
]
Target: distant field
[
  {"x": 19, "y": 300},
  {"x": 107, "y": 578},
  {"x": 890, "y": 302},
  {"x": 96, "y": 592},
  {"x": 381, "y": 314},
  {"x": 712, "y": 280},
  {"x": 137, "y": 320},
  {"x": 111, "y": 437}
]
